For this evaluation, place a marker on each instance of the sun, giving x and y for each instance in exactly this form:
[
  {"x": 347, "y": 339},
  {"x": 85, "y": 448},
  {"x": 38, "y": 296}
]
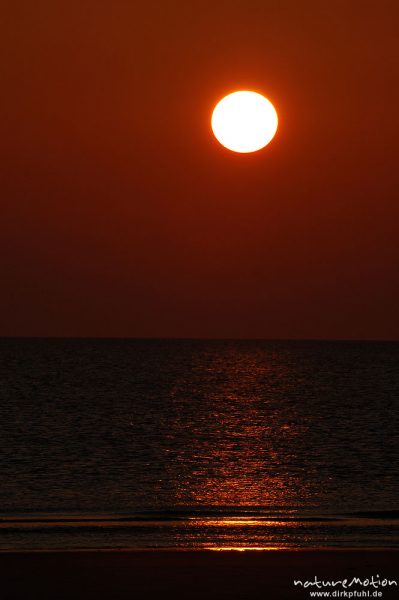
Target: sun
[{"x": 244, "y": 121}]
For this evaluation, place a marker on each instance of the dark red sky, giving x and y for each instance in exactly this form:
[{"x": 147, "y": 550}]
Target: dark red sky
[{"x": 120, "y": 213}]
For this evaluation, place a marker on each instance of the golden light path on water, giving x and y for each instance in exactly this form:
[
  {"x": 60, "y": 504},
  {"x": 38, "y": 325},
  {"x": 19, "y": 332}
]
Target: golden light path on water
[
  {"x": 237, "y": 522},
  {"x": 246, "y": 548}
]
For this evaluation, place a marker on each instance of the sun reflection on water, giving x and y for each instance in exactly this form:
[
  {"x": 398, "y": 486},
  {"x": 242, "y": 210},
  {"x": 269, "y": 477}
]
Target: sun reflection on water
[
  {"x": 245, "y": 548},
  {"x": 240, "y": 457}
]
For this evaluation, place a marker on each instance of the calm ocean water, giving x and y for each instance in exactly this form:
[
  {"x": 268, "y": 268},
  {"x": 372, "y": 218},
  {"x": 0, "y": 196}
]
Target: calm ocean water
[{"x": 198, "y": 444}]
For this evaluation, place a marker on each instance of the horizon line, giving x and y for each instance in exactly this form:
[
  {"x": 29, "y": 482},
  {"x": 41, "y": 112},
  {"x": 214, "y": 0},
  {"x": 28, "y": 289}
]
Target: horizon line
[{"x": 196, "y": 338}]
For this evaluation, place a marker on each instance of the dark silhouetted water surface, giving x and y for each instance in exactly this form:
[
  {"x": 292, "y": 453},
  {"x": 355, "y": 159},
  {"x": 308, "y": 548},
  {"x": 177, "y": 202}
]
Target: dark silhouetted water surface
[{"x": 158, "y": 443}]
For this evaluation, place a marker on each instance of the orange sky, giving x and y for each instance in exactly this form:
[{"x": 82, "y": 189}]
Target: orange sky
[{"x": 120, "y": 213}]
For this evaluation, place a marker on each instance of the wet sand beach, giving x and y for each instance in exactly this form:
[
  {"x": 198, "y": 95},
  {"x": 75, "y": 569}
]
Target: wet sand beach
[{"x": 191, "y": 574}]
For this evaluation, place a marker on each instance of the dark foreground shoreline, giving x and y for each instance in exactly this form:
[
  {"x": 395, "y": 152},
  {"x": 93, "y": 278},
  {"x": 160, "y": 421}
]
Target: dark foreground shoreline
[{"x": 192, "y": 575}]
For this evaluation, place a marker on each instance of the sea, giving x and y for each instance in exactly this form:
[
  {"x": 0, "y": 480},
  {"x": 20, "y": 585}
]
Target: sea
[{"x": 198, "y": 444}]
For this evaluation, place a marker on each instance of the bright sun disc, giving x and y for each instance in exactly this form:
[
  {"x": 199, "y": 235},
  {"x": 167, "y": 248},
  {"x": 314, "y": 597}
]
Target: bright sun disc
[{"x": 244, "y": 121}]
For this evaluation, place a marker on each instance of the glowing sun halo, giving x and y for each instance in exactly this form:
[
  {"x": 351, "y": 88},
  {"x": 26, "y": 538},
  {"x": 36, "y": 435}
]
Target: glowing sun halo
[{"x": 244, "y": 121}]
